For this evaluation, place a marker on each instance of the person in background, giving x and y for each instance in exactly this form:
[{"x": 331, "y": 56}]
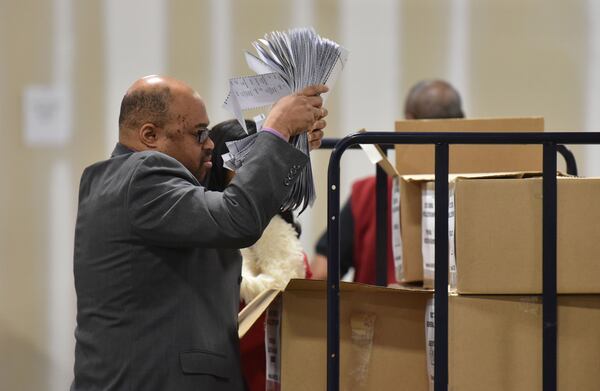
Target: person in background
[
  {"x": 433, "y": 99},
  {"x": 427, "y": 99},
  {"x": 269, "y": 263},
  {"x": 156, "y": 261}
]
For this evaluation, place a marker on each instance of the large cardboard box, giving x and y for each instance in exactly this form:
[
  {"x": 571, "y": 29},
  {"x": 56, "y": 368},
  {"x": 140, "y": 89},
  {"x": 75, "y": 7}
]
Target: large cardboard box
[
  {"x": 495, "y": 343},
  {"x": 382, "y": 336},
  {"x": 497, "y": 236},
  {"x": 419, "y": 159},
  {"x": 411, "y": 188}
]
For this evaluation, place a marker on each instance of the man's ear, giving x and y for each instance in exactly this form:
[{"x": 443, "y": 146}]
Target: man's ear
[{"x": 148, "y": 135}]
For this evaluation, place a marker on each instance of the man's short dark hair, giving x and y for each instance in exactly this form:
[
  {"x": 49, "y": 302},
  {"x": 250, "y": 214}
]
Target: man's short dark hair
[{"x": 141, "y": 106}]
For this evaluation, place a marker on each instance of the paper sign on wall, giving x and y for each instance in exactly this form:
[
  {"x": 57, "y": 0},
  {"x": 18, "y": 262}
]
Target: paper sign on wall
[{"x": 46, "y": 117}]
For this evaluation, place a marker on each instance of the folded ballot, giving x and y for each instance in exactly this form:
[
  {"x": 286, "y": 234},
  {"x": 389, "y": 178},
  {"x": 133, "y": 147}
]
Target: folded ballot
[{"x": 285, "y": 62}]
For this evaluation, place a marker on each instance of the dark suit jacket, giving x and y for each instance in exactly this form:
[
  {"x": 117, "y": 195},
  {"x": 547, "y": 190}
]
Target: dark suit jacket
[{"x": 157, "y": 269}]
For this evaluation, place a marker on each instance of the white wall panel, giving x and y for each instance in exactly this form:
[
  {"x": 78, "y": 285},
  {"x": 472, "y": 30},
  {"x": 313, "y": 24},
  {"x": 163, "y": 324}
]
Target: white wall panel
[
  {"x": 370, "y": 84},
  {"x": 589, "y": 165},
  {"x": 459, "y": 49},
  {"x": 136, "y": 37},
  {"x": 60, "y": 298},
  {"x": 220, "y": 59}
]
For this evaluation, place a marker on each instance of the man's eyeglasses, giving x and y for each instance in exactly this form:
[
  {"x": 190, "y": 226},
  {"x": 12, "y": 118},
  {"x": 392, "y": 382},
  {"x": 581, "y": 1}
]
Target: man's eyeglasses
[{"x": 202, "y": 135}]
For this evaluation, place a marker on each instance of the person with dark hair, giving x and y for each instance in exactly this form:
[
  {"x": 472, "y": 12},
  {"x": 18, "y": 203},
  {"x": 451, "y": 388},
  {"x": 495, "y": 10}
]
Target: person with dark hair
[
  {"x": 427, "y": 99},
  {"x": 269, "y": 263},
  {"x": 156, "y": 261},
  {"x": 223, "y": 132}
]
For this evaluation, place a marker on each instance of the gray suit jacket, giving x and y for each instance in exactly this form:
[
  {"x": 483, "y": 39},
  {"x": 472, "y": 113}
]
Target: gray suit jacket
[{"x": 157, "y": 269}]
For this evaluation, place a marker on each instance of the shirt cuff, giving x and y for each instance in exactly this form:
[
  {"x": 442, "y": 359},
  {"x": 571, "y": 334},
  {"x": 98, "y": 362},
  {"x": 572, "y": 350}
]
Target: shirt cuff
[{"x": 276, "y": 133}]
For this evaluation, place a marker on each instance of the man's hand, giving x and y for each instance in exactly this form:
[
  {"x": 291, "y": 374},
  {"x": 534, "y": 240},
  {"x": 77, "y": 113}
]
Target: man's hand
[
  {"x": 316, "y": 133},
  {"x": 294, "y": 114}
]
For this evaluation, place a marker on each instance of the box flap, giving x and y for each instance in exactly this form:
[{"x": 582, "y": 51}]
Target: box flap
[
  {"x": 491, "y": 124},
  {"x": 480, "y": 175},
  {"x": 419, "y": 159},
  {"x": 385, "y": 163},
  {"x": 253, "y": 310},
  {"x": 411, "y": 287},
  {"x": 378, "y": 156},
  {"x": 320, "y": 285}
]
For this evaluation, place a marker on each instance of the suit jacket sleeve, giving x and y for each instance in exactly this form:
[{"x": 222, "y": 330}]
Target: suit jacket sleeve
[{"x": 168, "y": 207}]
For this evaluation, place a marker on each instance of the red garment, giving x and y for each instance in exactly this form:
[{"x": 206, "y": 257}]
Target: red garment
[
  {"x": 252, "y": 349},
  {"x": 253, "y": 356},
  {"x": 362, "y": 204},
  {"x": 308, "y": 274}
]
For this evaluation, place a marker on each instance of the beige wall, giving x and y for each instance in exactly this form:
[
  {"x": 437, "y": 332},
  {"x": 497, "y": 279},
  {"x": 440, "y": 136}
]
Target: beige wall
[{"x": 508, "y": 58}]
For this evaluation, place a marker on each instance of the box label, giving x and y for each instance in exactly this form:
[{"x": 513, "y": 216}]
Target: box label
[
  {"x": 451, "y": 240},
  {"x": 430, "y": 340},
  {"x": 396, "y": 232},
  {"x": 273, "y": 345},
  {"x": 428, "y": 232},
  {"x": 428, "y": 235}
]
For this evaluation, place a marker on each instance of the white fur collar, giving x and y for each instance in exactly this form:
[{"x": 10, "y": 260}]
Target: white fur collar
[{"x": 272, "y": 261}]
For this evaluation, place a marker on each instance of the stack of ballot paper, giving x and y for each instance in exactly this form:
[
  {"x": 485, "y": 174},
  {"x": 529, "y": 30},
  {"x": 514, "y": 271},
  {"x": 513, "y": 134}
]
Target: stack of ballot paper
[{"x": 285, "y": 62}]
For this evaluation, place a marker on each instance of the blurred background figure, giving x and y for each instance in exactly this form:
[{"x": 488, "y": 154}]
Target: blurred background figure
[
  {"x": 427, "y": 99},
  {"x": 433, "y": 99}
]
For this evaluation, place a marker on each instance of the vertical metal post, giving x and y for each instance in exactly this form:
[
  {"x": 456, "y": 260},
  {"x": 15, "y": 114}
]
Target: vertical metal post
[
  {"x": 441, "y": 267},
  {"x": 381, "y": 216},
  {"x": 549, "y": 235},
  {"x": 333, "y": 271}
]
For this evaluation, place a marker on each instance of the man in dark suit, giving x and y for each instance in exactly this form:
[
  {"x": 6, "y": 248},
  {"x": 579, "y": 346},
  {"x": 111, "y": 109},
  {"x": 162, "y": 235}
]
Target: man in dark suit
[{"x": 156, "y": 264}]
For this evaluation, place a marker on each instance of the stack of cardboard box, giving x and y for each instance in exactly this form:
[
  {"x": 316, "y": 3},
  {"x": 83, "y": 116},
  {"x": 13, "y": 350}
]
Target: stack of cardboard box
[
  {"x": 495, "y": 312},
  {"x": 495, "y": 243},
  {"x": 415, "y": 164}
]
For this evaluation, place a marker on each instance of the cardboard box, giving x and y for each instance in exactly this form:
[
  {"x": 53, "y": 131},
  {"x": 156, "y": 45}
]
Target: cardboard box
[
  {"x": 495, "y": 343},
  {"x": 498, "y": 233},
  {"x": 419, "y": 159},
  {"x": 411, "y": 268},
  {"x": 428, "y": 221},
  {"x": 411, "y": 216},
  {"x": 393, "y": 353}
]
